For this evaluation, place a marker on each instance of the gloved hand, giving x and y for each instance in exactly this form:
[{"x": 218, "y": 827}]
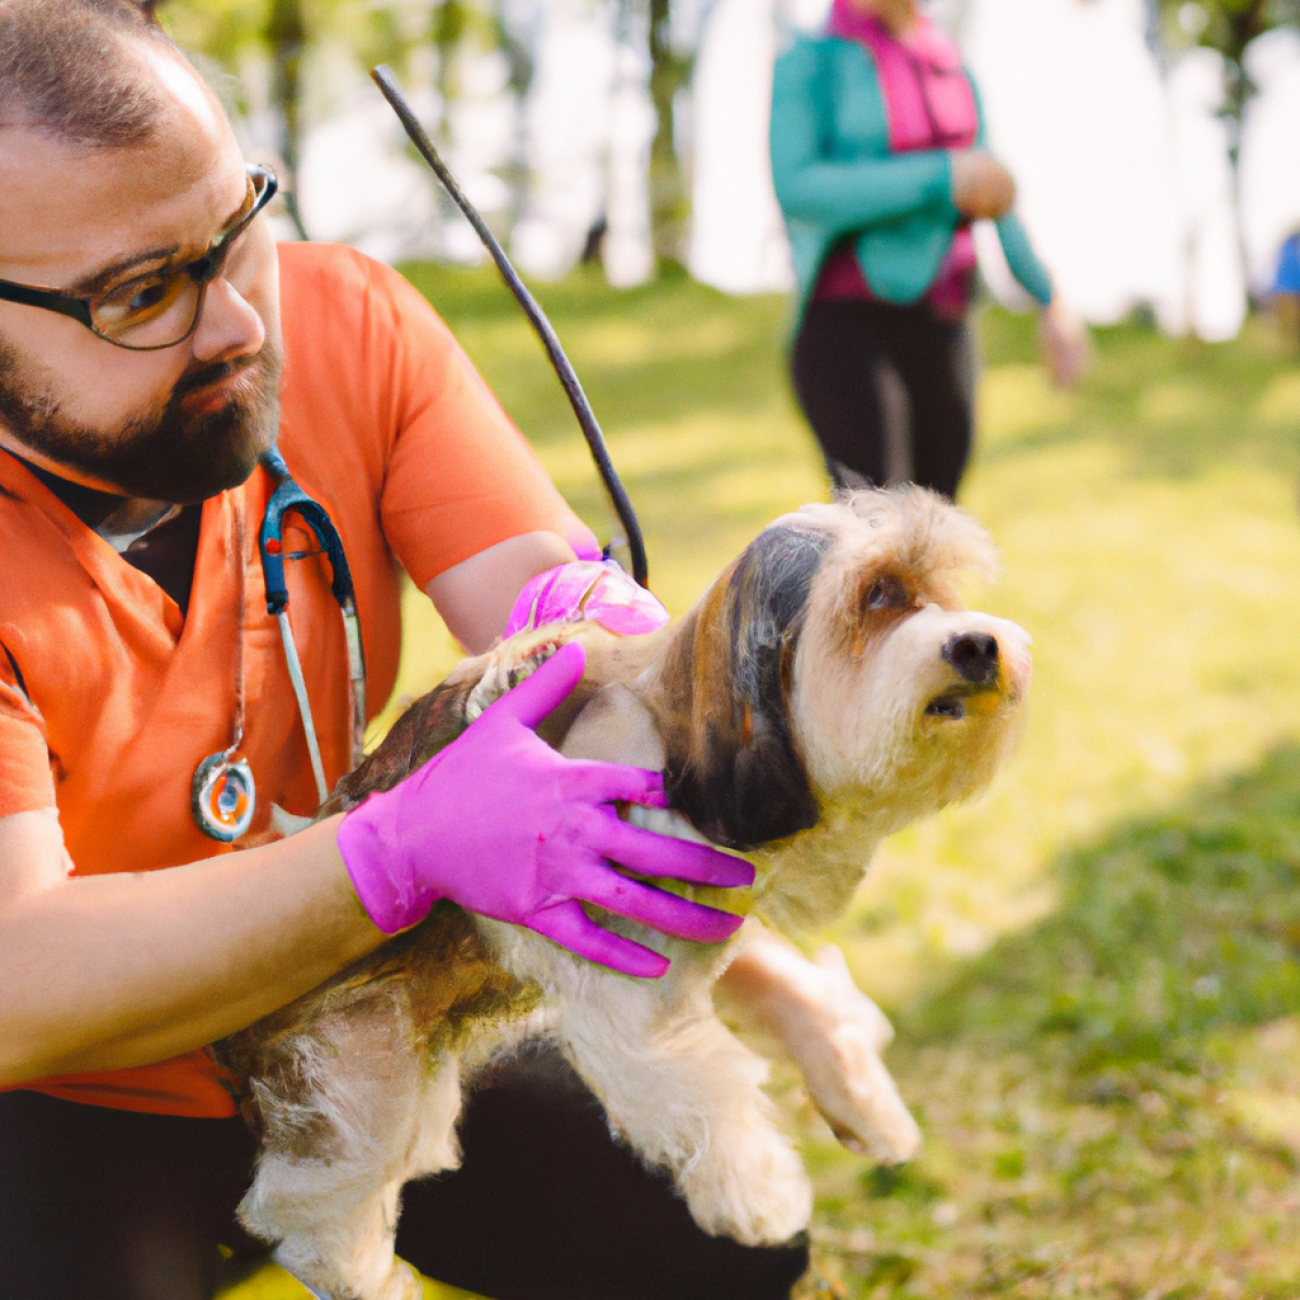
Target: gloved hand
[
  {"x": 587, "y": 589},
  {"x": 501, "y": 824}
]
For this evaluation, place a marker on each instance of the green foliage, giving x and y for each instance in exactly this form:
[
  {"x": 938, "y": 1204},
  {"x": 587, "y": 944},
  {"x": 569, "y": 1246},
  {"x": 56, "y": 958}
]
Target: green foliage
[
  {"x": 1169, "y": 930},
  {"x": 223, "y": 30},
  {"x": 228, "y": 31},
  {"x": 1227, "y": 26},
  {"x": 907, "y": 1184}
]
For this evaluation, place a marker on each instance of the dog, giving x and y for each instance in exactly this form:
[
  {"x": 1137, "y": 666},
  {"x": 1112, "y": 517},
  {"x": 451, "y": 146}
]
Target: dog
[{"x": 829, "y": 688}]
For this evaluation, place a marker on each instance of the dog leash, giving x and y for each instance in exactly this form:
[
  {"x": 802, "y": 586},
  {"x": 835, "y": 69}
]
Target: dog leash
[{"x": 392, "y": 91}]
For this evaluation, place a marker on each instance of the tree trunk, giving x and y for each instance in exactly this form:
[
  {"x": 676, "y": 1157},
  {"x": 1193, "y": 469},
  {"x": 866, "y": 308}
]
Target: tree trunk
[
  {"x": 669, "y": 197},
  {"x": 1243, "y": 25},
  {"x": 286, "y": 35}
]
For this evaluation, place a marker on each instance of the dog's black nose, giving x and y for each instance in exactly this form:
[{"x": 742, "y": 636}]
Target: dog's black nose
[{"x": 974, "y": 655}]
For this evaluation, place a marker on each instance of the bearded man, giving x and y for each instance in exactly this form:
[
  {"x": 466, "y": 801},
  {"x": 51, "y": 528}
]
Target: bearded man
[{"x": 154, "y": 347}]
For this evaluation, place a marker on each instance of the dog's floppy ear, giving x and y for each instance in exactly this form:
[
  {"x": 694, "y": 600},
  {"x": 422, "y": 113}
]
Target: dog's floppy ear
[
  {"x": 732, "y": 765},
  {"x": 430, "y": 724}
]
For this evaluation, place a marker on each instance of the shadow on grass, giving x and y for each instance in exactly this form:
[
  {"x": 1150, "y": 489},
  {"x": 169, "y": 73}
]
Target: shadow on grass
[
  {"x": 1103, "y": 1118},
  {"x": 1170, "y": 929}
]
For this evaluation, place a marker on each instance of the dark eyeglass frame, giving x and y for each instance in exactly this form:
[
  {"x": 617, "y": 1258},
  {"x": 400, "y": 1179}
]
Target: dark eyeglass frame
[{"x": 202, "y": 270}]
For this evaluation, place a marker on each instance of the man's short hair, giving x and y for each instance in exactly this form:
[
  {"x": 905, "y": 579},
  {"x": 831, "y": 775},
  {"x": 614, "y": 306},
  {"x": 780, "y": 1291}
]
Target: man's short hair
[{"x": 68, "y": 71}]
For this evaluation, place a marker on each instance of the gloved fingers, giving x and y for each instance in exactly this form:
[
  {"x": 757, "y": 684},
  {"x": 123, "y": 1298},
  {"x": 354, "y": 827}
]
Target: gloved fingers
[
  {"x": 606, "y": 782},
  {"x": 549, "y": 685},
  {"x": 658, "y": 909},
  {"x": 648, "y": 854},
  {"x": 569, "y": 926}
]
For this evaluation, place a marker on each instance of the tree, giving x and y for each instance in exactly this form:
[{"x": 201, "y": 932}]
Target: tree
[
  {"x": 285, "y": 34},
  {"x": 670, "y": 72},
  {"x": 1228, "y": 26}
]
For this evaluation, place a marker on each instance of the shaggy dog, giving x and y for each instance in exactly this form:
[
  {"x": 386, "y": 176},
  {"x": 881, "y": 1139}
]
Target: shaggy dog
[{"x": 829, "y": 688}]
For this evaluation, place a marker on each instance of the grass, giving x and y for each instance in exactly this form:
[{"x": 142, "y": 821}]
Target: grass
[{"x": 1095, "y": 969}]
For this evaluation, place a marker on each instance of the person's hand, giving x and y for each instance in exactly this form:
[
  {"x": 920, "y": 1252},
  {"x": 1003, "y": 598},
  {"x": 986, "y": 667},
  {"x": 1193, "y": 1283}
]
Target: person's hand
[
  {"x": 1064, "y": 344},
  {"x": 501, "y": 824},
  {"x": 598, "y": 590},
  {"x": 982, "y": 188}
]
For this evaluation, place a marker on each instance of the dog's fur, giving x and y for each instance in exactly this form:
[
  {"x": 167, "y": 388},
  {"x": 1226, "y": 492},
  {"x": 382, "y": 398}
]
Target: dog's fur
[{"x": 828, "y": 689}]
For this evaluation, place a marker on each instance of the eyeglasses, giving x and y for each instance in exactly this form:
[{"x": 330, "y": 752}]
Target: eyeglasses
[{"x": 160, "y": 308}]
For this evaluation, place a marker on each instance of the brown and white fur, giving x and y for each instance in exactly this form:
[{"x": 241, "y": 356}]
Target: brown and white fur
[{"x": 828, "y": 689}]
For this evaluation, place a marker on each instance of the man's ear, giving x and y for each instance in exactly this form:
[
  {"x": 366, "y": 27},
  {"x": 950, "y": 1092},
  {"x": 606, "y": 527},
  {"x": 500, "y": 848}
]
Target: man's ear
[{"x": 726, "y": 681}]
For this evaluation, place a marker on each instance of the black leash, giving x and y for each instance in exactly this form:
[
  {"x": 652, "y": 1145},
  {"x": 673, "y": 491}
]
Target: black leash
[{"x": 392, "y": 91}]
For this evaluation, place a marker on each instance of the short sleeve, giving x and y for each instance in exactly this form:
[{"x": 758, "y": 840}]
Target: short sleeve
[
  {"x": 460, "y": 476},
  {"x": 26, "y": 782}
]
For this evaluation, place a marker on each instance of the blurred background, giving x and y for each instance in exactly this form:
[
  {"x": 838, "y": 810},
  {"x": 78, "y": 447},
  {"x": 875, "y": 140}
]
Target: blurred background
[
  {"x": 1095, "y": 969},
  {"x": 1154, "y": 141}
]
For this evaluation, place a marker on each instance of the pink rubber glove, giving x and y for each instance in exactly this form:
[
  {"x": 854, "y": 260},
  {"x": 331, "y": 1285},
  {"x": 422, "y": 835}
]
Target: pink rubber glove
[
  {"x": 587, "y": 589},
  {"x": 501, "y": 824}
]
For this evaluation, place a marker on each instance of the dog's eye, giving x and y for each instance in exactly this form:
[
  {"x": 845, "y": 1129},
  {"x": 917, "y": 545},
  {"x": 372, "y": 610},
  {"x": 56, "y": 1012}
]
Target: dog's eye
[{"x": 888, "y": 593}]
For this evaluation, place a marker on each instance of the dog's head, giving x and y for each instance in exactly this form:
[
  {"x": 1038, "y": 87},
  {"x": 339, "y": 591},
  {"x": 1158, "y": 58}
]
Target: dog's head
[{"x": 833, "y": 665}]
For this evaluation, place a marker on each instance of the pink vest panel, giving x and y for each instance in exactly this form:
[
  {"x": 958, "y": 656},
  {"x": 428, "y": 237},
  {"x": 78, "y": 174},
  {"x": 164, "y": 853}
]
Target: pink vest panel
[{"x": 929, "y": 104}]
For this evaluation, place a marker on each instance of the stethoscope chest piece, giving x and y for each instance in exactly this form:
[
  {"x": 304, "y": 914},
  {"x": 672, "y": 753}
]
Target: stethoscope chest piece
[{"x": 223, "y": 797}]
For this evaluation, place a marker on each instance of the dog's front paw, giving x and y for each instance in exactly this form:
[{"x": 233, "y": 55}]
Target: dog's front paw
[
  {"x": 503, "y": 674},
  {"x": 403, "y": 1284},
  {"x": 395, "y": 1280},
  {"x": 751, "y": 1186},
  {"x": 837, "y": 1043}
]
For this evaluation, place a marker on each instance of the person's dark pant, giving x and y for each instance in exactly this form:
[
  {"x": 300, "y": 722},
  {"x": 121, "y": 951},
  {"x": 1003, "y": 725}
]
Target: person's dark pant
[
  {"x": 840, "y": 357},
  {"x": 119, "y": 1206}
]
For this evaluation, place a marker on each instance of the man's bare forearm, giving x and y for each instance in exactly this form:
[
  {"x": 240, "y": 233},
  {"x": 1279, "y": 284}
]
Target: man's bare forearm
[
  {"x": 110, "y": 971},
  {"x": 117, "y": 970}
]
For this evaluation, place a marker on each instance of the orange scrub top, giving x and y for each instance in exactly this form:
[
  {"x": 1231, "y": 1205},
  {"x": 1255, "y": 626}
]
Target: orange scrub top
[{"x": 387, "y": 424}]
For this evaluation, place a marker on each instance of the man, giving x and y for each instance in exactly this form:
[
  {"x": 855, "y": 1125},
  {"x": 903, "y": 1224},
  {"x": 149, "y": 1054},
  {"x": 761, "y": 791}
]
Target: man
[{"x": 152, "y": 348}]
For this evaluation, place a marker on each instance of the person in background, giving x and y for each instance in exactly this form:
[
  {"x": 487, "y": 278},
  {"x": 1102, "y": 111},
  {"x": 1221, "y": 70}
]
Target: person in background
[
  {"x": 880, "y": 168},
  {"x": 1284, "y": 296}
]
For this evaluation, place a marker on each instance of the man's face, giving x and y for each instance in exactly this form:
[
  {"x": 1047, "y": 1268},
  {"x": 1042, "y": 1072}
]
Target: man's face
[{"x": 180, "y": 424}]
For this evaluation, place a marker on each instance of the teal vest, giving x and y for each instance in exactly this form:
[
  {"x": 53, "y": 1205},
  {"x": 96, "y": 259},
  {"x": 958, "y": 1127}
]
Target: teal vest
[{"x": 835, "y": 176}]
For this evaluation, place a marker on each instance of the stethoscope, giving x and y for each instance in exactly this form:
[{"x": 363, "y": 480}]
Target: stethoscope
[{"x": 223, "y": 796}]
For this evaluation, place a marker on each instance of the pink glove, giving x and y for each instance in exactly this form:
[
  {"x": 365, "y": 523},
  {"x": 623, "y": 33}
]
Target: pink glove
[
  {"x": 587, "y": 589},
  {"x": 501, "y": 824}
]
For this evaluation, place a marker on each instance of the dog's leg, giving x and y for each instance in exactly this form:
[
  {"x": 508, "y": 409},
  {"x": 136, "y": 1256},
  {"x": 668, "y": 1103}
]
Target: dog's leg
[
  {"x": 364, "y": 1269},
  {"x": 436, "y": 1147},
  {"x": 686, "y": 1095},
  {"x": 339, "y": 1143},
  {"x": 365, "y": 1266}
]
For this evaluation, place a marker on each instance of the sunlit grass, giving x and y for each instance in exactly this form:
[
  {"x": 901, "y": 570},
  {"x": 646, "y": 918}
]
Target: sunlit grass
[{"x": 1095, "y": 1125}]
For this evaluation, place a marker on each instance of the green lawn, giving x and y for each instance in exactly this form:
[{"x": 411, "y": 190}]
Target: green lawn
[{"x": 1095, "y": 970}]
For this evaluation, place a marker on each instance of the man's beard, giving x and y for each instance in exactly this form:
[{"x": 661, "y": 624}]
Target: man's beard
[{"x": 164, "y": 457}]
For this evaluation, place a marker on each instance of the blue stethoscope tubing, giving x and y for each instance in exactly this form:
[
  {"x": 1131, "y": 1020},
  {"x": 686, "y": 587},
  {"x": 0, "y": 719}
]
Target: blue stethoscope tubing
[{"x": 289, "y": 499}]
